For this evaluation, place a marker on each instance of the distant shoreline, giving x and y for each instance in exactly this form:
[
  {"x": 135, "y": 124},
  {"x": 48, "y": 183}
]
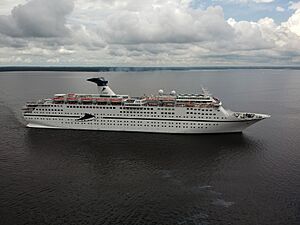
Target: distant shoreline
[{"x": 134, "y": 69}]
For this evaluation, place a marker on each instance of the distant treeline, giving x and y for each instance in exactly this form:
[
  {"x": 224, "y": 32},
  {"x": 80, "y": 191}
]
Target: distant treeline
[{"x": 132, "y": 69}]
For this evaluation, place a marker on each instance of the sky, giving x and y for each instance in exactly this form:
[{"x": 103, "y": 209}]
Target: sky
[{"x": 150, "y": 32}]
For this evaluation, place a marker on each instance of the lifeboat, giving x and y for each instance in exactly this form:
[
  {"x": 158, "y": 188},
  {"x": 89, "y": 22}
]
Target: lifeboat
[
  {"x": 58, "y": 99},
  {"x": 116, "y": 101},
  {"x": 86, "y": 100},
  {"x": 102, "y": 99}
]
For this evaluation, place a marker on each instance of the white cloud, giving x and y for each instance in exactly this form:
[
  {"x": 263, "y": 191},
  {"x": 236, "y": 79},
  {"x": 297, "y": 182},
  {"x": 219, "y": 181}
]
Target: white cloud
[
  {"x": 8, "y": 5},
  {"x": 247, "y": 1},
  {"x": 37, "y": 18},
  {"x": 166, "y": 25},
  {"x": 149, "y": 32},
  {"x": 253, "y": 35},
  {"x": 280, "y": 9},
  {"x": 263, "y": 1},
  {"x": 293, "y": 23},
  {"x": 294, "y": 5}
]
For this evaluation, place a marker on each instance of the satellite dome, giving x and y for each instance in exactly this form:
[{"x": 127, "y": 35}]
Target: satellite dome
[
  {"x": 173, "y": 92},
  {"x": 161, "y": 92}
]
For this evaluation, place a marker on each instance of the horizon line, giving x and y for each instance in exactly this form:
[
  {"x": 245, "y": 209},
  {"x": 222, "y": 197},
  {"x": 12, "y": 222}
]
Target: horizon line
[{"x": 73, "y": 68}]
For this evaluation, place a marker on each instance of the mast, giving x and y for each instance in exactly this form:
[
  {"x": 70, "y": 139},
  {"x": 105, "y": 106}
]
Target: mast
[{"x": 205, "y": 92}]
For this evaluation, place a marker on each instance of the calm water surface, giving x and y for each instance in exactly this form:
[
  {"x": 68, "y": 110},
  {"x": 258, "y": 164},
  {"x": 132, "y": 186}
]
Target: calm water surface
[{"x": 92, "y": 177}]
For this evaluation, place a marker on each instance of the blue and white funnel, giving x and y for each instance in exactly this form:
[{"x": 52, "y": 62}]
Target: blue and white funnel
[{"x": 103, "y": 89}]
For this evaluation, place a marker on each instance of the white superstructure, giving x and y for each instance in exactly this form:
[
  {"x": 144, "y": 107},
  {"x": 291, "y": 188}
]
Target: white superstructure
[{"x": 164, "y": 113}]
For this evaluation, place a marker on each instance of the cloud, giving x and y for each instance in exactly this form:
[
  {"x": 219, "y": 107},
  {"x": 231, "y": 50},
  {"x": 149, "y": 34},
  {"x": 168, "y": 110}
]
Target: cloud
[
  {"x": 166, "y": 24},
  {"x": 293, "y": 23},
  {"x": 252, "y": 35},
  {"x": 263, "y": 1},
  {"x": 294, "y": 5},
  {"x": 148, "y": 32},
  {"x": 37, "y": 18},
  {"x": 247, "y": 1},
  {"x": 7, "y": 5},
  {"x": 280, "y": 9}
]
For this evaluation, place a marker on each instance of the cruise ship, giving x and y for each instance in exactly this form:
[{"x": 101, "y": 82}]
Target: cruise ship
[{"x": 162, "y": 113}]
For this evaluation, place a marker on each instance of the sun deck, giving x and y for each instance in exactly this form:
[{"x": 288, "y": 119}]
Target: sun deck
[{"x": 181, "y": 100}]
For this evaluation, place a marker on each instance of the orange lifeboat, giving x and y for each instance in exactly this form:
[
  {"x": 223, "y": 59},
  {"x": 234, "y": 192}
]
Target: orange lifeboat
[
  {"x": 58, "y": 99},
  {"x": 102, "y": 99},
  {"x": 86, "y": 100}
]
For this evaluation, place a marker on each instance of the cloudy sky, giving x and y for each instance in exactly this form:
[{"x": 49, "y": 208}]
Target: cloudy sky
[{"x": 149, "y": 32}]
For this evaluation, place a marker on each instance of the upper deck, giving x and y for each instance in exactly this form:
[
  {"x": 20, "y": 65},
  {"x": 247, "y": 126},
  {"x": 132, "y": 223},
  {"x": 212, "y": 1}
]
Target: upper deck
[
  {"x": 107, "y": 97},
  {"x": 181, "y": 100}
]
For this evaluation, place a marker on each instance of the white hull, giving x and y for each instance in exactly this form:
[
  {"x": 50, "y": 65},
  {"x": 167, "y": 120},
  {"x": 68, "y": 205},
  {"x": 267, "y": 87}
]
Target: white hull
[{"x": 131, "y": 126}]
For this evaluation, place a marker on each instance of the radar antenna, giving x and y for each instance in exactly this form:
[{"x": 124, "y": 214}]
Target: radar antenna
[{"x": 205, "y": 91}]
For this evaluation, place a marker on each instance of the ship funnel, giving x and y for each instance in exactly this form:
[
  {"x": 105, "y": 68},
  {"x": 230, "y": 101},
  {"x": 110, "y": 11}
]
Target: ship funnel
[{"x": 103, "y": 89}]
